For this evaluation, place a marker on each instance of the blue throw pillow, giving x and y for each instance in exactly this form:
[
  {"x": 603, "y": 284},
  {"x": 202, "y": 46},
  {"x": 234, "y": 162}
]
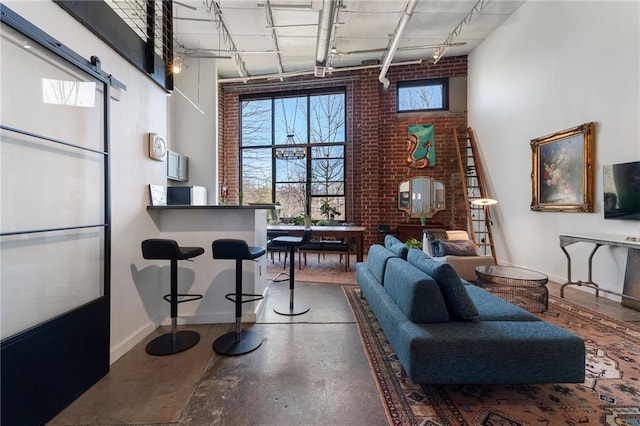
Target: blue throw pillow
[
  {"x": 396, "y": 246},
  {"x": 455, "y": 295}
]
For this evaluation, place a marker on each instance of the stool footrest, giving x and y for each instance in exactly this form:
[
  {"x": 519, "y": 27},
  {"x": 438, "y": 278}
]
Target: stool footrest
[
  {"x": 187, "y": 297},
  {"x": 254, "y": 297}
]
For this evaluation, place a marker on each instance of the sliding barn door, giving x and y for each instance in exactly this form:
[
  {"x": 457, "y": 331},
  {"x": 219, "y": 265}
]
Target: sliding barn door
[{"x": 54, "y": 228}]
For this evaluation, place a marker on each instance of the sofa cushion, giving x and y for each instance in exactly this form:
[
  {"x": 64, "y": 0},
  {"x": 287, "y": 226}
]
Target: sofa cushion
[
  {"x": 452, "y": 288},
  {"x": 396, "y": 246},
  {"x": 377, "y": 261},
  {"x": 493, "y": 308},
  {"x": 453, "y": 248},
  {"x": 415, "y": 293}
]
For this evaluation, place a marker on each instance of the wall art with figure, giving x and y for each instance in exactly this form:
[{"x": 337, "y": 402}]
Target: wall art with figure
[{"x": 421, "y": 152}]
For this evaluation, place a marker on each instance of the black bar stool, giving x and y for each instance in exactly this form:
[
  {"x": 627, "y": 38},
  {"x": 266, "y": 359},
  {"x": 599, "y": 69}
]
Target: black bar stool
[
  {"x": 175, "y": 341},
  {"x": 241, "y": 341},
  {"x": 274, "y": 246},
  {"x": 292, "y": 243}
]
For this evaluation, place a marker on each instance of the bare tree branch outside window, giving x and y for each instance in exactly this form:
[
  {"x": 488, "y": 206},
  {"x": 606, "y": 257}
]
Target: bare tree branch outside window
[{"x": 317, "y": 122}]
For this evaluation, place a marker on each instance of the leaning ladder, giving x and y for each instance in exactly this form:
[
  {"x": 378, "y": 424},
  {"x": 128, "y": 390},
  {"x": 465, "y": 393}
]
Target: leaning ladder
[{"x": 478, "y": 216}]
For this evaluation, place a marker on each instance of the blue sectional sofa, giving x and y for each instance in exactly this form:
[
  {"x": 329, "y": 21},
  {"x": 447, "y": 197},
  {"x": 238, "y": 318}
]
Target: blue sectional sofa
[{"x": 446, "y": 331}]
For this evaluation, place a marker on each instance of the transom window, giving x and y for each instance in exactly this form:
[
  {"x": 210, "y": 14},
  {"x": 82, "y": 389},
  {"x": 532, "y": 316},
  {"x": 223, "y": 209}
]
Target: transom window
[
  {"x": 292, "y": 152},
  {"x": 423, "y": 95}
]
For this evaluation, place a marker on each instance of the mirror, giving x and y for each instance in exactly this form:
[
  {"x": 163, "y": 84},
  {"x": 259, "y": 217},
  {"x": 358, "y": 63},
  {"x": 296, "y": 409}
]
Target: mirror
[{"x": 421, "y": 197}]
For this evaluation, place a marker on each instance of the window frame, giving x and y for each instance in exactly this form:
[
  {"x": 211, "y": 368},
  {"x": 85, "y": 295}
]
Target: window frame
[
  {"x": 309, "y": 146},
  {"x": 432, "y": 82}
]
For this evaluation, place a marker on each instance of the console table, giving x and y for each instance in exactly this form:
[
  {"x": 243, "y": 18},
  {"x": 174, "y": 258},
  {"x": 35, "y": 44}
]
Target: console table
[
  {"x": 631, "y": 289},
  {"x": 414, "y": 230}
]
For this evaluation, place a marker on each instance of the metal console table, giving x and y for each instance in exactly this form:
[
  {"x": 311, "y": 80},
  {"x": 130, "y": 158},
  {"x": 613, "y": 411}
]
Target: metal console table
[{"x": 631, "y": 289}]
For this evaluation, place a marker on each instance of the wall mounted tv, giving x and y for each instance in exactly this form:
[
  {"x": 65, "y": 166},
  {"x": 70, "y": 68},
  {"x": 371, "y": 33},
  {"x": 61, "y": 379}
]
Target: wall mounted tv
[{"x": 622, "y": 191}]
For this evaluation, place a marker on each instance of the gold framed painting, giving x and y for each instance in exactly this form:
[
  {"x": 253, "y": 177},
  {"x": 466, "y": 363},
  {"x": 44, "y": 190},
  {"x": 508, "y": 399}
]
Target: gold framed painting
[{"x": 562, "y": 170}]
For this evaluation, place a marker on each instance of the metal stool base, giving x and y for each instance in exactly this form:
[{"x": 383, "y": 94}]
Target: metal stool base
[
  {"x": 230, "y": 344},
  {"x": 288, "y": 310},
  {"x": 172, "y": 343}
]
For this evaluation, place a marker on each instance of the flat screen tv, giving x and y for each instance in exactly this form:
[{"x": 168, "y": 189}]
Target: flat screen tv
[{"x": 622, "y": 191}]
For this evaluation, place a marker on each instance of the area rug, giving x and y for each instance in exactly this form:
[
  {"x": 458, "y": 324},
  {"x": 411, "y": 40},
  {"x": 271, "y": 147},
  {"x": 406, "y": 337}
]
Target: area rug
[
  {"x": 329, "y": 269},
  {"x": 609, "y": 396}
]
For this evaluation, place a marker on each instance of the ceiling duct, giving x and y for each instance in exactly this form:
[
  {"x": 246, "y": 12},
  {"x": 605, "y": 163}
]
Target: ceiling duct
[
  {"x": 395, "y": 40},
  {"x": 326, "y": 28}
]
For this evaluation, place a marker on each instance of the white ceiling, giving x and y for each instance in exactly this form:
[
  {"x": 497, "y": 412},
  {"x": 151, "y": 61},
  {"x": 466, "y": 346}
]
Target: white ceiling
[{"x": 362, "y": 35}]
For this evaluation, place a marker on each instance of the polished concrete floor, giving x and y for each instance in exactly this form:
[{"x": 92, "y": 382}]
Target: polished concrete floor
[{"x": 310, "y": 370}]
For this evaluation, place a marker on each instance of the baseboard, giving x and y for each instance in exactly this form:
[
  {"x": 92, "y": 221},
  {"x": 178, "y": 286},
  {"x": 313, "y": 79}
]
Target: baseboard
[
  {"x": 220, "y": 318},
  {"x": 128, "y": 344}
]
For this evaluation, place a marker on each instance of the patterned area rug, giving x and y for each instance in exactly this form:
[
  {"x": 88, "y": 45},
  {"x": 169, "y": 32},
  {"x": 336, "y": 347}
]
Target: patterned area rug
[
  {"x": 609, "y": 396},
  {"x": 328, "y": 268}
]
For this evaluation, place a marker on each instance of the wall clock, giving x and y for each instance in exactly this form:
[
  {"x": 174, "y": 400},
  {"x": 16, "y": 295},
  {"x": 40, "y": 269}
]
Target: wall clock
[{"x": 157, "y": 147}]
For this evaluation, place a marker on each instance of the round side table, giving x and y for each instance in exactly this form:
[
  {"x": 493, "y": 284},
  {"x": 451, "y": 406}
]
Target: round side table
[{"x": 522, "y": 287}]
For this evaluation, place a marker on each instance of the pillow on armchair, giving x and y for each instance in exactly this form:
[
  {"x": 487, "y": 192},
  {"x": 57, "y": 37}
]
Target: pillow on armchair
[
  {"x": 430, "y": 235},
  {"x": 464, "y": 264},
  {"x": 441, "y": 248}
]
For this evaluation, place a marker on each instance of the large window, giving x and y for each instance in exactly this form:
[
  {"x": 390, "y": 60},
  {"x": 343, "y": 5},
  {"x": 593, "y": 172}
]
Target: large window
[
  {"x": 423, "y": 95},
  {"x": 292, "y": 151}
]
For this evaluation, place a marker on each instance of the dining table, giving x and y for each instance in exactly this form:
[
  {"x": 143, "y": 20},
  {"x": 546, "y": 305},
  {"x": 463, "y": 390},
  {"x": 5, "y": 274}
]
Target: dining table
[{"x": 349, "y": 233}]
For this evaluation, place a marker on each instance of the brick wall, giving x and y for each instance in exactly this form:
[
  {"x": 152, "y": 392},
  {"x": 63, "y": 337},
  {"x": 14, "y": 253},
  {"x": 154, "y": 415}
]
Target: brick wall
[{"x": 376, "y": 141}]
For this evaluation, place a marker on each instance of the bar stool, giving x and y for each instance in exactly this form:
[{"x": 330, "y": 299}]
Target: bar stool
[
  {"x": 175, "y": 341},
  {"x": 292, "y": 243},
  {"x": 241, "y": 341}
]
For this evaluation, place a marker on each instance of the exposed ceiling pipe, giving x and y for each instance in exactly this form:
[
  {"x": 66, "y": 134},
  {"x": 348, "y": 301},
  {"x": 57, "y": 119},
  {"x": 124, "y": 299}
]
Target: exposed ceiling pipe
[
  {"x": 326, "y": 25},
  {"x": 301, "y": 73},
  {"x": 395, "y": 40},
  {"x": 475, "y": 10}
]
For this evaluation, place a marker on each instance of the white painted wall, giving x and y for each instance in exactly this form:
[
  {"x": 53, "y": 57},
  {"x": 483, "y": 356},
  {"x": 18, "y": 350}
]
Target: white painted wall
[
  {"x": 142, "y": 109},
  {"x": 551, "y": 66},
  {"x": 193, "y": 122}
]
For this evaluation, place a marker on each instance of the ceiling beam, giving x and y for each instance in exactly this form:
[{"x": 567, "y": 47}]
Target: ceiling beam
[
  {"x": 215, "y": 13},
  {"x": 274, "y": 35}
]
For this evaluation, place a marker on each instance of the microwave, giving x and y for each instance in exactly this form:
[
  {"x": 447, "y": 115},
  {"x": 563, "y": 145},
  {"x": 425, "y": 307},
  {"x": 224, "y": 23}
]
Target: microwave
[{"x": 187, "y": 195}]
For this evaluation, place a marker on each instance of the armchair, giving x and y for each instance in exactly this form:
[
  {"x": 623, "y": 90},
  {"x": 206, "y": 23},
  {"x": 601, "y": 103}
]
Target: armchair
[{"x": 451, "y": 248}]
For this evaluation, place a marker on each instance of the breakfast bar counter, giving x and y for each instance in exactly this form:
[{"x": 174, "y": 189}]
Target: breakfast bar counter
[{"x": 213, "y": 278}]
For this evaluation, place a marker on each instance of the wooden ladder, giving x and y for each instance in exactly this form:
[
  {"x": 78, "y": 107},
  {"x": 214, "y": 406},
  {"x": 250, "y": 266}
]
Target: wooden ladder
[{"x": 478, "y": 216}]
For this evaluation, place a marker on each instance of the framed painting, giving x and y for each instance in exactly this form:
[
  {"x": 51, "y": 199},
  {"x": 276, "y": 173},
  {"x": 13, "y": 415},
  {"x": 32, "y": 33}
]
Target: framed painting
[
  {"x": 562, "y": 170},
  {"x": 421, "y": 150}
]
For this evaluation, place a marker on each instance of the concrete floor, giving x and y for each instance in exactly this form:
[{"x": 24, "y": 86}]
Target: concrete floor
[{"x": 310, "y": 370}]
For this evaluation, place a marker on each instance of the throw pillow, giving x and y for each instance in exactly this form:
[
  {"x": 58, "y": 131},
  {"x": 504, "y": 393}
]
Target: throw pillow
[
  {"x": 454, "y": 292},
  {"x": 441, "y": 248},
  {"x": 396, "y": 246},
  {"x": 436, "y": 234}
]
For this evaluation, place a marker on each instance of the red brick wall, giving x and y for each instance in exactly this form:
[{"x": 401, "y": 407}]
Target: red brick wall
[{"x": 376, "y": 141}]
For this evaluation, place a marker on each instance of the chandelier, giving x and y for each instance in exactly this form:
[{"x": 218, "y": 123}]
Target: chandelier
[{"x": 289, "y": 151}]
